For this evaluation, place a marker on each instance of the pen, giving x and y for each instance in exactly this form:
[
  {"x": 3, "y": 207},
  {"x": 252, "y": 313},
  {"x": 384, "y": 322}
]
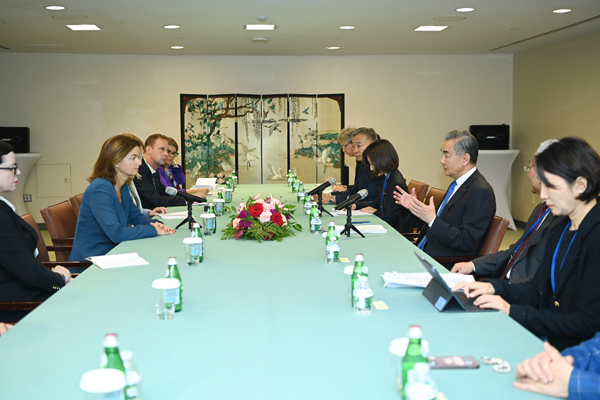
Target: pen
[{"x": 362, "y": 222}]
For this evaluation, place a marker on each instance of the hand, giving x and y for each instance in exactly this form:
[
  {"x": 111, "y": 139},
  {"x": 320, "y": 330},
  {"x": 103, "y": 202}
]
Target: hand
[
  {"x": 425, "y": 212},
  {"x": 493, "y": 302},
  {"x": 474, "y": 289},
  {"x": 69, "y": 281},
  {"x": 201, "y": 192},
  {"x": 59, "y": 269},
  {"x": 157, "y": 210},
  {"x": 162, "y": 229},
  {"x": 402, "y": 197},
  {"x": 462, "y": 268},
  {"x": 4, "y": 328},
  {"x": 369, "y": 210},
  {"x": 339, "y": 188},
  {"x": 546, "y": 373}
]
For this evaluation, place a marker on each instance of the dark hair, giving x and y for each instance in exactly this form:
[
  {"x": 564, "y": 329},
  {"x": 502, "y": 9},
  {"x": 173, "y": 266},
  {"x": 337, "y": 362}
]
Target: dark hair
[
  {"x": 113, "y": 151},
  {"x": 368, "y": 132},
  {"x": 465, "y": 143},
  {"x": 5, "y": 148},
  {"x": 173, "y": 143},
  {"x": 570, "y": 158},
  {"x": 383, "y": 156},
  {"x": 150, "y": 140}
]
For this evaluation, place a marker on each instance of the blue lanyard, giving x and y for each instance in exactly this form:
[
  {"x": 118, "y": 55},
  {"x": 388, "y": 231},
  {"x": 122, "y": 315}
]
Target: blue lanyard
[
  {"x": 534, "y": 226},
  {"x": 553, "y": 272},
  {"x": 383, "y": 191}
]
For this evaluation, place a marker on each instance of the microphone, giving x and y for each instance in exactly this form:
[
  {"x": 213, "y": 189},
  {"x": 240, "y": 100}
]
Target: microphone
[
  {"x": 322, "y": 187},
  {"x": 352, "y": 199},
  {"x": 190, "y": 198}
]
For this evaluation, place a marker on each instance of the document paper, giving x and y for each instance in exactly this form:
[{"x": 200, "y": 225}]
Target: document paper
[
  {"x": 420, "y": 279},
  {"x": 118, "y": 260}
]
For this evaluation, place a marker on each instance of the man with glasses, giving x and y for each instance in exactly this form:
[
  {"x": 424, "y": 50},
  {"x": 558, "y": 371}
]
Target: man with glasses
[
  {"x": 519, "y": 262},
  {"x": 149, "y": 187}
]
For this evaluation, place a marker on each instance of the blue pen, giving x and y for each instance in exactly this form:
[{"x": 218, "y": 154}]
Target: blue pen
[{"x": 362, "y": 222}]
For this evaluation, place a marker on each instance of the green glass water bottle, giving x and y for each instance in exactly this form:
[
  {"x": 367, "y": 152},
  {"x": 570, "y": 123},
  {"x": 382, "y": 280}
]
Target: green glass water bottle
[
  {"x": 111, "y": 357},
  {"x": 332, "y": 246},
  {"x": 289, "y": 178},
  {"x": 220, "y": 194},
  {"x": 294, "y": 184},
  {"x": 360, "y": 269},
  {"x": 315, "y": 220},
  {"x": 300, "y": 186},
  {"x": 307, "y": 204},
  {"x": 196, "y": 231},
  {"x": 173, "y": 272},
  {"x": 414, "y": 354}
]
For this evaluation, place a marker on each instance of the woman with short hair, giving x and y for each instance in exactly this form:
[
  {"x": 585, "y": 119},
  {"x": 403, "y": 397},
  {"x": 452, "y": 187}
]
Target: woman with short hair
[
  {"x": 562, "y": 301},
  {"x": 108, "y": 214}
]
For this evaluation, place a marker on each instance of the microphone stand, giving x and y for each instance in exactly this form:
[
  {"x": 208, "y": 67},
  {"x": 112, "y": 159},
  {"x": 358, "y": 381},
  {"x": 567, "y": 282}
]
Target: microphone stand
[
  {"x": 349, "y": 225},
  {"x": 320, "y": 204},
  {"x": 190, "y": 218}
]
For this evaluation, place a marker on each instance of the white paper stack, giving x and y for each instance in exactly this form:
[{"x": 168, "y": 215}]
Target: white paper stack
[
  {"x": 355, "y": 213},
  {"x": 364, "y": 229},
  {"x": 118, "y": 260},
  {"x": 175, "y": 215},
  {"x": 420, "y": 279},
  {"x": 210, "y": 183}
]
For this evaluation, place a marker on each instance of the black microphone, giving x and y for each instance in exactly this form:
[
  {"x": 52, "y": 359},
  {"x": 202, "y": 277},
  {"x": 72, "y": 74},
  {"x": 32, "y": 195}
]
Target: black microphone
[
  {"x": 322, "y": 187},
  {"x": 362, "y": 193},
  {"x": 171, "y": 191}
]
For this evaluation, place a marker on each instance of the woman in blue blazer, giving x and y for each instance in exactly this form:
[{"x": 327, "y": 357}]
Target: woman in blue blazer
[{"x": 108, "y": 214}]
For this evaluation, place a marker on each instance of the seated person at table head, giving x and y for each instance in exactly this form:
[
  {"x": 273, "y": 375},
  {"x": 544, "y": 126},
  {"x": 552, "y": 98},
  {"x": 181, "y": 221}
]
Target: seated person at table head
[
  {"x": 361, "y": 139},
  {"x": 383, "y": 162},
  {"x": 520, "y": 261},
  {"x": 345, "y": 139},
  {"x": 148, "y": 184},
  {"x": 108, "y": 214},
  {"x": 22, "y": 276},
  {"x": 455, "y": 227},
  {"x": 172, "y": 174},
  {"x": 561, "y": 302}
]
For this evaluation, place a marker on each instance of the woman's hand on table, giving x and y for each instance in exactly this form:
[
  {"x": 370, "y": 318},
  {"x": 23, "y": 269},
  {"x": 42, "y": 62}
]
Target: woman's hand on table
[
  {"x": 368, "y": 210},
  {"x": 157, "y": 211},
  {"x": 201, "y": 192},
  {"x": 162, "y": 229}
]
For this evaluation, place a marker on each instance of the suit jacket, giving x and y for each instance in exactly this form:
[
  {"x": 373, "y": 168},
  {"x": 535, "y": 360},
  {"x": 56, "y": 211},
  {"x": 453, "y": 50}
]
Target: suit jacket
[
  {"x": 22, "y": 276},
  {"x": 363, "y": 181},
  {"x": 569, "y": 315},
  {"x": 103, "y": 221},
  {"x": 460, "y": 228},
  {"x": 531, "y": 257},
  {"x": 152, "y": 191},
  {"x": 394, "y": 214}
]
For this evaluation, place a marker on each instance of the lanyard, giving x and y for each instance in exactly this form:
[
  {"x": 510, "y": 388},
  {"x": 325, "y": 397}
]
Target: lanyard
[
  {"x": 534, "y": 226},
  {"x": 553, "y": 272},
  {"x": 383, "y": 191}
]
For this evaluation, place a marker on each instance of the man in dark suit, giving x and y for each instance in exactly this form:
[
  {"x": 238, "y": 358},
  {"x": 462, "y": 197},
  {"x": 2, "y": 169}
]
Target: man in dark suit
[
  {"x": 148, "y": 185},
  {"x": 458, "y": 225},
  {"x": 520, "y": 261}
]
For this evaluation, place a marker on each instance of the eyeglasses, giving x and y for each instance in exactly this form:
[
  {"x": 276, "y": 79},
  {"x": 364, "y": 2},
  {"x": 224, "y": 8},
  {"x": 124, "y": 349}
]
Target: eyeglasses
[
  {"x": 527, "y": 169},
  {"x": 13, "y": 169},
  {"x": 347, "y": 144},
  {"x": 175, "y": 153}
]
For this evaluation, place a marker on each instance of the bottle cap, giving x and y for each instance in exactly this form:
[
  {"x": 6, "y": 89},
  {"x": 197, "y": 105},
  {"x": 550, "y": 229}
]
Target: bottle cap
[
  {"x": 105, "y": 380},
  {"x": 210, "y": 204},
  {"x": 111, "y": 340},
  {"x": 195, "y": 225},
  {"x": 331, "y": 223},
  {"x": 415, "y": 332},
  {"x": 359, "y": 257},
  {"x": 172, "y": 261}
]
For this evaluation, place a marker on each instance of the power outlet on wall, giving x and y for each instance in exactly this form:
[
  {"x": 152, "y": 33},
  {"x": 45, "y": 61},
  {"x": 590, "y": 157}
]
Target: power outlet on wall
[
  {"x": 532, "y": 199},
  {"x": 26, "y": 198}
]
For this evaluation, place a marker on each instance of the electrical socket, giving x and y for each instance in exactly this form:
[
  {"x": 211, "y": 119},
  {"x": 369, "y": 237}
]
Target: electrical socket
[
  {"x": 26, "y": 198},
  {"x": 532, "y": 199}
]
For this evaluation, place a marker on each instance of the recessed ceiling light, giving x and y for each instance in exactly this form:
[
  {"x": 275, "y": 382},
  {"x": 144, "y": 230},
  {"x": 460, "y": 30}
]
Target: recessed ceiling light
[
  {"x": 333, "y": 47},
  {"x": 177, "y": 47},
  {"x": 54, "y": 8},
  {"x": 171, "y": 27},
  {"x": 465, "y": 9},
  {"x": 562, "y": 11},
  {"x": 259, "y": 27},
  {"x": 430, "y": 28},
  {"x": 347, "y": 27},
  {"x": 84, "y": 27}
]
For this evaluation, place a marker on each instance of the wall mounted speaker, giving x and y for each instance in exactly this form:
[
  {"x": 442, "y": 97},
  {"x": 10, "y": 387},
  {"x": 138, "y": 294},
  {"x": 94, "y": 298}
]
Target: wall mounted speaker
[
  {"x": 17, "y": 137},
  {"x": 491, "y": 137}
]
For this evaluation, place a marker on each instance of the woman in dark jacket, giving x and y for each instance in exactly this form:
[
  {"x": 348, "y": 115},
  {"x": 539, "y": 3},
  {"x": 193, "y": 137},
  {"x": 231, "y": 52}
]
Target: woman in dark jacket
[
  {"x": 562, "y": 300},
  {"x": 383, "y": 162}
]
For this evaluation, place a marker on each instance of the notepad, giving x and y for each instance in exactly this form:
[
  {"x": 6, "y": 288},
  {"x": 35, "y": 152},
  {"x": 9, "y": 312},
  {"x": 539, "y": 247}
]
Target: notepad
[
  {"x": 355, "y": 213},
  {"x": 210, "y": 183},
  {"x": 420, "y": 279},
  {"x": 364, "y": 229},
  {"x": 118, "y": 260},
  {"x": 175, "y": 215}
]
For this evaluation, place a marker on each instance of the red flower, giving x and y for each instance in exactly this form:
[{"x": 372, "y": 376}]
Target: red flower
[
  {"x": 276, "y": 218},
  {"x": 256, "y": 210}
]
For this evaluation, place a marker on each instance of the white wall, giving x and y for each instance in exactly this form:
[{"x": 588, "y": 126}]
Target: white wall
[{"x": 72, "y": 103}]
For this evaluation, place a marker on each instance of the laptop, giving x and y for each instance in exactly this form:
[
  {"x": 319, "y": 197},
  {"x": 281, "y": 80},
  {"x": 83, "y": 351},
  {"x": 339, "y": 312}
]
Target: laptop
[{"x": 441, "y": 295}]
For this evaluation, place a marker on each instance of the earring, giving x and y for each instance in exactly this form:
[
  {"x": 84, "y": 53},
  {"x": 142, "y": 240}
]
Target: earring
[{"x": 581, "y": 191}]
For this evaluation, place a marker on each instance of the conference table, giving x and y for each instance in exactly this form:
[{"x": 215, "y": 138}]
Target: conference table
[{"x": 268, "y": 320}]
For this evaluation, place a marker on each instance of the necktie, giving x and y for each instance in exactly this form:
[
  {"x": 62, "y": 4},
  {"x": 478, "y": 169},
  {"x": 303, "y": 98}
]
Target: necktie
[
  {"x": 525, "y": 241},
  {"x": 451, "y": 189}
]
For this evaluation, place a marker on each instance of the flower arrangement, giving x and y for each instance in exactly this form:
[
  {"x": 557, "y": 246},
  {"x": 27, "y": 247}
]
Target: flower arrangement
[{"x": 258, "y": 219}]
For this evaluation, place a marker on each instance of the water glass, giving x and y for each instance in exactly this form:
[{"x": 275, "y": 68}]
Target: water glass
[
  {"x": 194, "y": 250},
  {"x": 209, "y": 223},
  {"x": 228, "y": 195},
  {"x": 103, "y": 384},
  {"x": 166, "y": 294},
  {"x": 219, "y": 206}
]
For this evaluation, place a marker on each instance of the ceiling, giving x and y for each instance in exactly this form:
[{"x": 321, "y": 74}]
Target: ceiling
[{"x": 304, "y": 27}]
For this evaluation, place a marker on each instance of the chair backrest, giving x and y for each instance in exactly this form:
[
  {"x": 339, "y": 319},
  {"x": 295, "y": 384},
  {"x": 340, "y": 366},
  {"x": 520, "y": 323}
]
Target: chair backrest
[
  {"x": 60, "y": 220},
  {"x": 76, "y": 203},
  {"x": 438, "y": 196},
  {"x": 41, "y": 245},
  {"x": 493, "y": 236},
  {"x": 420, "y": 189}
]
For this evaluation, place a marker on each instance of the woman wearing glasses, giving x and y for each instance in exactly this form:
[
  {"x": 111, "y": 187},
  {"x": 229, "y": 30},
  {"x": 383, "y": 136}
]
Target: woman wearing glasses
[
  {"x": 172, "y": 175},
  {"x": 561, "y": 303},
  {"x": 22, "y": 276},
  {"x": 108, "y": 214}
]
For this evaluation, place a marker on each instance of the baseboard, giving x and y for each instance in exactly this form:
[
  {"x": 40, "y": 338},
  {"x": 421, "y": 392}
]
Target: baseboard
[{"x": 520, "y": 224}]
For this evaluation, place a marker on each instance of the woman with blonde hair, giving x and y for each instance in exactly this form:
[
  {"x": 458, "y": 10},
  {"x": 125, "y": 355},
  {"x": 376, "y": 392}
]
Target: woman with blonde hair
[{"x": 108, "y": 214}]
